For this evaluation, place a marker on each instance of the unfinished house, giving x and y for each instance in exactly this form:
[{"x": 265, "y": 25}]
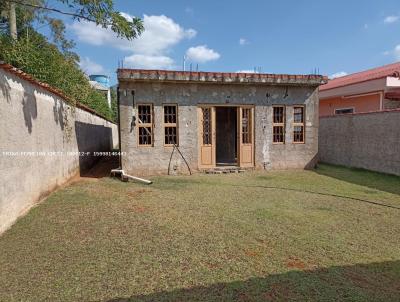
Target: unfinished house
[{"x": 172, "y": 120}]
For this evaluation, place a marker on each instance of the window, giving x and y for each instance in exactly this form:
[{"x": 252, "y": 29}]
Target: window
[
  {"x": 145, "y": 125},
  {"x": 207, "y": 127},
  {"x": 170, "y": 125},
  {"x": 298, "y": 124},
  {"x": 278, "y": 125},
  {"x": 246, "y": 126},
  {"x": 344, "y": 111}
]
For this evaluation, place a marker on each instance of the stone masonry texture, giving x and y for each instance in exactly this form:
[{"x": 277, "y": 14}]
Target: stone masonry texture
[{"x": 188, "y": 95}]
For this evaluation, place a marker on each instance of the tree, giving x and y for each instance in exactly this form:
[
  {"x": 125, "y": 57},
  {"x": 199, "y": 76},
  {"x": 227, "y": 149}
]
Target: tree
[
  {"x": 51, "y": 59},
  {"x": 100, "y": 12}
]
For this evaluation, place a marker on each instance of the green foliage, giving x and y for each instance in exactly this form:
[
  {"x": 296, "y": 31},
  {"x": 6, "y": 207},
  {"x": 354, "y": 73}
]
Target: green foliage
[
  {"x": 46, "y": 63},
  {"x": 56, "y": 64},
  {"x": 114, "y": 105},
  {"x": 101, "y": 12}
]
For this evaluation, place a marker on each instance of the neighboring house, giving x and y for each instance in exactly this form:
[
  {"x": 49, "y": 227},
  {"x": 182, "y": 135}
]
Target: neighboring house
[
  {"x": 101, "y": 83},
  {"x": 375, "y": 89},
  {"x": 265, "y": 121}
]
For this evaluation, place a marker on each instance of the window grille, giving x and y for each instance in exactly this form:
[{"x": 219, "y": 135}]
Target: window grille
[
  {"x": 145, "y": 124},
  {"x": 298, "y": 124},
  {"x": 170, "y": 125},
  {"x": 278, "y": 124},
  {"x": 246, "y": 126},
  {"x": 207, "y": 126}
]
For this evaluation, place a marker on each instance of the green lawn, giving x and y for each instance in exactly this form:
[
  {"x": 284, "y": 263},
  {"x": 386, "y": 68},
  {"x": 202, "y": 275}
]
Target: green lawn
[{"x": 332, "y": 234}]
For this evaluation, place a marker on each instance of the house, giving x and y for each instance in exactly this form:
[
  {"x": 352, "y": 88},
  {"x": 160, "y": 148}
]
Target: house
[
  {"x": 101, "y": 83},
  {"x": 375, "y": 89},
  {"x": 263, "y": 121}
]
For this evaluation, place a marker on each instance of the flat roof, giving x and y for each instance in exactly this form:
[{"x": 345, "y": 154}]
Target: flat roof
[{"x": 145, "y": 75}]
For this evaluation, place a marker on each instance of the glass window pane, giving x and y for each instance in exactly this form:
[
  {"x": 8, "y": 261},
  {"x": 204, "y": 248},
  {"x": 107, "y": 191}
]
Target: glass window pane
[
  {"x": 298, "y": 115},
  {"x": 207, "y": 127}
]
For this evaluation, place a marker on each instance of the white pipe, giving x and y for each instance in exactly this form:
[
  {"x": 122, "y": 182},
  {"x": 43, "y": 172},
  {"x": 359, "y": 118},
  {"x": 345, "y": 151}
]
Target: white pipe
[{"x": 122, "y": 172}]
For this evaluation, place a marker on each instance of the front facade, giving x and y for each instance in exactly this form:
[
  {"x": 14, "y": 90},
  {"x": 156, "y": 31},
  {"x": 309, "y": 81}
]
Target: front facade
[
  {"x": 214, "y": 120},
  {"x": 372, "y": 90}
]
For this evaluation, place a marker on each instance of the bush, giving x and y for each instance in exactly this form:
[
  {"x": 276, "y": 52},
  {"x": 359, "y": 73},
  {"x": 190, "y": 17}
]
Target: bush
[{"x": 44, "y": 61}]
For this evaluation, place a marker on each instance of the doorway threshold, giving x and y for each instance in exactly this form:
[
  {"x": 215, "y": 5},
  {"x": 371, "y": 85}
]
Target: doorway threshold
[
  {"x": 231, "y": 165},
  {"x": 225, "y": 170}
]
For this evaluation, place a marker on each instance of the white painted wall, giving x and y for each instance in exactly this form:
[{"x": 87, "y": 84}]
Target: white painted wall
[{"x": 36, "y": 122}]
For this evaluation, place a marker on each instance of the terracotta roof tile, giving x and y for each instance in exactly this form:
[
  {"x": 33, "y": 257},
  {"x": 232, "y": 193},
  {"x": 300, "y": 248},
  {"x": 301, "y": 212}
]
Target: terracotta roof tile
[{"x": 363, "y": 76}]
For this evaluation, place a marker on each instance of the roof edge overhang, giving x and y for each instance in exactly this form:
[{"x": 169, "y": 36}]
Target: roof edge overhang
[{"x": 166, "y": 76}]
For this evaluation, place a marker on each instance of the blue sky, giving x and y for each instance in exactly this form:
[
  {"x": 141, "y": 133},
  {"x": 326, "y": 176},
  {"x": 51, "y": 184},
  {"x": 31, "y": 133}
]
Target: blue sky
[{"x": 276, "y": 36}]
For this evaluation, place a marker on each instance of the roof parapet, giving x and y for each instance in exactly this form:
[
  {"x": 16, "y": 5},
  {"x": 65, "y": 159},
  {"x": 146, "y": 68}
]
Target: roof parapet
[{"x": 142, "y": 75}]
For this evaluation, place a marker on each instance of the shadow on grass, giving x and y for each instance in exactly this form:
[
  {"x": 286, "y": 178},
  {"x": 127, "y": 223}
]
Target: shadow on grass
[
  {"x": 375, "y": 180},
  {"x": 363, "y": 282}
]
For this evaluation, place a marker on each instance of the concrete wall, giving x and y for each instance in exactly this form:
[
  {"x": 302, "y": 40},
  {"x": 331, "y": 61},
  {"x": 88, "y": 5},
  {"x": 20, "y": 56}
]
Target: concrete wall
[
  {"x": 370, "y": 141},
  {"x": 152, "y": 160},
  {"x": 34, "y": 120}
]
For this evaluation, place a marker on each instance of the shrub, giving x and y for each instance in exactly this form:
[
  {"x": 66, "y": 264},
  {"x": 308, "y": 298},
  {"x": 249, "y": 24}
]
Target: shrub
[{"x": 45, "y": 62}]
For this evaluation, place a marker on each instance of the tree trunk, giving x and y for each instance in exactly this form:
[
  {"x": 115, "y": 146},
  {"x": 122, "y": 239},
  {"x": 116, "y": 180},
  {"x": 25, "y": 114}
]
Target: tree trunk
[{"x": 12, "y": 19}]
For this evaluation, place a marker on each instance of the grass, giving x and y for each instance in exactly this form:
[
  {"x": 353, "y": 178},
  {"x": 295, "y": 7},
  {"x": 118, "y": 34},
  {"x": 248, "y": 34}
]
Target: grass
[{"x": 328, "y": 235}]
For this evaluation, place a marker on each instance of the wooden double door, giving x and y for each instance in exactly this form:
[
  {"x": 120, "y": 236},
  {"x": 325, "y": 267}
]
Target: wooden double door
[{"x": 207, "y": 125}]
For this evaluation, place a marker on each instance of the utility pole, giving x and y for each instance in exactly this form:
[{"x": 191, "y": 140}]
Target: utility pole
[{"x": 12, "y": 20}]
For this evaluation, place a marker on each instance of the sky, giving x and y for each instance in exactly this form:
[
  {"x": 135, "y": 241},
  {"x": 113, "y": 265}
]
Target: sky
[{"x": 295, "y": 37}]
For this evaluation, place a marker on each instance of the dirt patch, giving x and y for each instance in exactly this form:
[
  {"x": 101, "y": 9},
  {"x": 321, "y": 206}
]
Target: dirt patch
[
  {"x": 136, "y": 193},
  {"x": 136, "y": 208},
  {"x": 212, "y": 266},
  {"x": 294, "y": 262},
  {"x": 251, "y": 253},
  {"x": 102, "y": 168}
]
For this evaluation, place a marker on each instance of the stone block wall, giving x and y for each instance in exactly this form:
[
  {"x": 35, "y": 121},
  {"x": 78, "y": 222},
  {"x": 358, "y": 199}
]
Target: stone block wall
[{"x": 154, "y": 160}]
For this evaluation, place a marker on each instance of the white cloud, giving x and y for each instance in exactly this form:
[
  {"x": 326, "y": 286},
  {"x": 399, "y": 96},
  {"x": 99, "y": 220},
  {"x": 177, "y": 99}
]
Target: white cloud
[
  {"x": 202, "y": 54},
  {"x": 396, "y": 52},
  {"x": 160, "y": 36},
  {"x": 246, "y": 71},
  {"x": 127, "y": 16},
  {"x": 190, "y": 33},
  {"x": 95, "y": 35},
  {"x": 366, "y": 26},
  {"x": 149, "y": 62},
  {"x": 391, "y": 19},
  {"x": 243, "y": 41},
  {"x": 90, "y": 67},
  {"x": 338, "y": 75},
  {"x": 161, "y": 33}
]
